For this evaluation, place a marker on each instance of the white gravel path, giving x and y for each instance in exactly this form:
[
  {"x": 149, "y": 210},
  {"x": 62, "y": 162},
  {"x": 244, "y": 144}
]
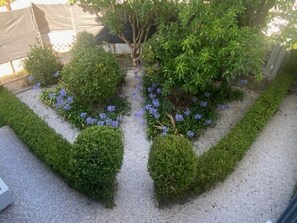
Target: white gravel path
[
  {"x": 257, "y": 191},
  {"x": 31, "y": 98}
]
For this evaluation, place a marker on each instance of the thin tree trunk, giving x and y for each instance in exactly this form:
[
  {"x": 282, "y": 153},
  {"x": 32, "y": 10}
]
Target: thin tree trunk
[{"x": 7, "y": 4}]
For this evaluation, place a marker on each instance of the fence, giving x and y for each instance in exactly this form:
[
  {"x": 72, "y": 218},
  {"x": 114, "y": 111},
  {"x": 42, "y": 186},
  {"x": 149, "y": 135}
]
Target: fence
[{"x": 51, "y": 24}]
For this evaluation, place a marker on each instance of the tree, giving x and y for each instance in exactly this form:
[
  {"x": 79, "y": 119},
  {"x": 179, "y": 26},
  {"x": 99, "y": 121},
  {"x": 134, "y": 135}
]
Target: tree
[
  {"x": 254, "y": 13},
  {"x": 6, "y": 3},
  {"x": 142, "y": 15}
]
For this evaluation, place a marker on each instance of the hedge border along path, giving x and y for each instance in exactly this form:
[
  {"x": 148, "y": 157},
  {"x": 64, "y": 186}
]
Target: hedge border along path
[
  {"x": 218, "y": 162},
  {"x": 43, "y": 141}
]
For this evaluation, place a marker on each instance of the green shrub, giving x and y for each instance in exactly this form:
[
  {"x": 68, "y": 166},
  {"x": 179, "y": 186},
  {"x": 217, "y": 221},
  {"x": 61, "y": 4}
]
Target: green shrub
[
  {"x": 172, "y": 166},
  {"x": 216, "y": 164},
  {"x": 93, "y": 77},
  {"x": 42, "y": 63},
  {"x": 201, "y": 48},
  {"x": 84, "y": 40},
  {"x": 96, "y": 159},
  {"x": 34, "y": 132},
  {"x": 90, "y": 165}
]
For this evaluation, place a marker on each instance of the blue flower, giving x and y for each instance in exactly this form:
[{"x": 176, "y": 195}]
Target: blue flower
[
  {"x": 119, "y": 119},
  {"x": 164, "y": 130},
  {"x": 148, "y": 107},
  {"x": 203, "y": 103},
  {"x": 159, "y": 91},
  {"x": 190, "y": 133},
  {"x": 37, "y": 85},
  {"x": 67, "y": 107},
  {"x": 149, "y": 90},
  {"x": 206, "y": 94},
  {"x": 156, "y": 115},
  {"x": 30, "y": 78},
  {"x": 111, "y": 108},
  {"x": 69, "y": 99},
  {"x": 93, "y": 121},
  {"x": 115, "y": 124},
  {"x": 156, "y": 103},
  {"x": 154, "y": 85},
  {"x": 57, "y": 74},
  {"x": 108, "y": 122},
  {"x": 100, "y": 123},
  {"x": 153, "y": 111},
  {"x": 63, "y": 92},
  {"x": 89, "y": 120},
  {"x": 187, "y": 112},
  {"x": 243, "y": 81},
  {"x": 208, "y": 122},
  {"x": 197, "y": 116},
  {"x": 179, "y": 118},
  {"x": 102, "y": 116},
  {"x": 52, "y": 95},
  {"x": 83, "y": 114},
  {"x": 152, "y": 96}
]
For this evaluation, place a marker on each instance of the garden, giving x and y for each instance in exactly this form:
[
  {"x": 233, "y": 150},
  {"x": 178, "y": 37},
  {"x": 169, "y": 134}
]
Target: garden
[{"x": 191, "y": 68}]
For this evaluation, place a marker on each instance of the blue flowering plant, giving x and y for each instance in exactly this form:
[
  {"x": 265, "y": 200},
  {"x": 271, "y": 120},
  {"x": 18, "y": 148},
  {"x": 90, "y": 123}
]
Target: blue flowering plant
[
  {"x": 167, "y": 115},
  {"x": 74, "y": 112}
]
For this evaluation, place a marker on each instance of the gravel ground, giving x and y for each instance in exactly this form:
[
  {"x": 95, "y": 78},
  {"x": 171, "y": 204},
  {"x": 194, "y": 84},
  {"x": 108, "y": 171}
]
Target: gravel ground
[
  {"x": 31, "y": 98},
  {"x": 257, "y": 191}
]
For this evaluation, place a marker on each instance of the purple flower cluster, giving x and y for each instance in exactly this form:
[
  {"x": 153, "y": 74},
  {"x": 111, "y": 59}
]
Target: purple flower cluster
[
  {"x": 62, "y": 100},
  {"x": 152, "y": 107},
  {"x": 103, "y": 118}
]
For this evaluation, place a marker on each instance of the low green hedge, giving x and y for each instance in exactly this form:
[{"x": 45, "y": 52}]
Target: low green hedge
[
  {"x": 217, "y": 163},
  {"x": 60, "y": 155}
]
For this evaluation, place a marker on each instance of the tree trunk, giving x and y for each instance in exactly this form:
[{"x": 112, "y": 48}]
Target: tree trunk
[{"x": 7, "y": 4}]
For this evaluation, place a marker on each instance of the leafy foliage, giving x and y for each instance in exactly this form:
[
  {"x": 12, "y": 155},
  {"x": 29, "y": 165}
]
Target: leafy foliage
[
  {"x": 141, "y": 15},
  {"x": 42, "y": 63},
  {"x": 97, "y": 152},
  {"x": 83, "y": 116},
  {"x": 96, "y": 159},
  {"x": 202, "y": 48},
  {"x": 217, "y": 163},
  {"x": 84, "y": 40},
  {"x": 172, "y": 166},
  {"x": 93, "y": 76}
]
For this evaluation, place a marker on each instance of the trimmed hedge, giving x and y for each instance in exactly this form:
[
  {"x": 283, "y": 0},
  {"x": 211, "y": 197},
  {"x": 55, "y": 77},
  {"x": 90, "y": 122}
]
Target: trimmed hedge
[
  {"x": 102, "y": 147},
  {"x": 172, "y": 166},
  {"x": 217, "y": 163},
  {"x": 58, "y": 153}
]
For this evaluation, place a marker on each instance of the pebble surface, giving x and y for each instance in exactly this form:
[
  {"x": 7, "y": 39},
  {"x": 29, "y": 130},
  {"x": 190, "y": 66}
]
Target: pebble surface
[{"x": 257, "y": 191}]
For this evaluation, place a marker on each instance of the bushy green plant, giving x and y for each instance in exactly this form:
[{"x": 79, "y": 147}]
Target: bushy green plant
[
  {"x": 96, "y": 159},
  {"x": 84, "y": 40},
  {"x": 172, "y": 166},
  {"x": 93, "y": 77},
  {"x": 90, "y": 165},
  {"x": 43, "y": 65},
  {"x": 202, "y": 48},
  {"x": 216, "y": 164}
]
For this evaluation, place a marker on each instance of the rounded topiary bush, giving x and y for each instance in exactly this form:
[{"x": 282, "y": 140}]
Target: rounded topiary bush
[
  {"x": 83, "y": 41},
  {"x": 42, "y": 63},
  {"x": 96, "y": 158},
  {"x": 93, "y": 77},
  {"x": 172, "y": 166}
]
